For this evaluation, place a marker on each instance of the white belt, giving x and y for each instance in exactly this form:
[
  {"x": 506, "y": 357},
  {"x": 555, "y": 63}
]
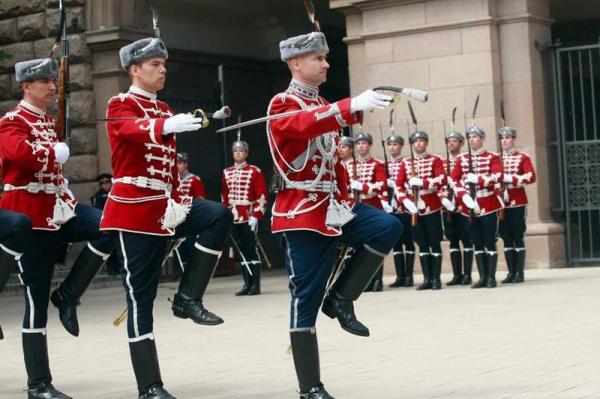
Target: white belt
[
  {"x": 484, "y": 193},
  {"x": 311, "y": 186},
  {"x": 240, "y": 202},
  {"x": 34, "y": 188},
  {"x": 424, "y": 191},
  {"x": 367, "y": 196},
  {"x": 145, "y": 182}
]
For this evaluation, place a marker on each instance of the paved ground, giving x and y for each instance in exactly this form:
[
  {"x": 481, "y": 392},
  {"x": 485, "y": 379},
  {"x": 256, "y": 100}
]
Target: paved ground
[{"x": 536, "y": 340}]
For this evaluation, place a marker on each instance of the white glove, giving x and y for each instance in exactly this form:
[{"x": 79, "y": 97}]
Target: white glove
[
  {"x": 61, "y": 152},
  {"x": 472, "y": 178},
  {"x": 391, "y": 183},
  {"x": 508, "y": 179},
  {"x": 468, "y": 201},
  {"x": 182, "y": 123},
  {"x": 356, "y": 185},
  {"x": 449, "y": 205},
  {"x": 415, "y": 182},
  {"x": 410, "y": 206},
  {"x": 387, "y": 207},
  {"x": 253, "y": 223},
  {"x": 368, "y": 100}
]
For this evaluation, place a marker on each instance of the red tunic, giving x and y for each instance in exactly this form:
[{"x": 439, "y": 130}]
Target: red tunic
[
  {"x": 430, "y": 169},
  {"x": 394, "y": 168},
  {"x": 32, "y": 179},
  {"x": 450, "y": 184},
  {"x": 144, "y": 165},
  {"x": 518, "y": 164},
  {"x": 304, "y": 151},
  {"x": 371, "y": 173},
  {"x": 486, "y": 165},
  {"x": 191, "y": 185},
  {"x": 244, "y": 192}
]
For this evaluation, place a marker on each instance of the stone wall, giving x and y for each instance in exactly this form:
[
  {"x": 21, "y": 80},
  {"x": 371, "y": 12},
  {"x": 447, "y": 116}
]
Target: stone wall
[{"x": 27, "y": 30}]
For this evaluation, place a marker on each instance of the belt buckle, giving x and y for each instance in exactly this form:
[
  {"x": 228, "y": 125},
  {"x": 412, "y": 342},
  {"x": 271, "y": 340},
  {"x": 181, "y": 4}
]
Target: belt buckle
[
  {"x": 33, "y": 188},
  {"x": 142, "y": 182},
  {"x": 155, "y": 184}
]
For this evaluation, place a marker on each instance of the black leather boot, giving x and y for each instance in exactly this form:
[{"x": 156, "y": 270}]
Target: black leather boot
[
  {"x": 305, "y": 349},
  {"x": 456, "y": 261},
  {"x": 468, "y": 267},
  {"x": 66, "y": 296},
  {"x": 399, "y": 266},
  {"x": 255, "y": 279},
  {"x": 317, "y": 392},
  {"x": 246, "y": 286},
  {"x": 378, "y": 280},
  {"x": 348, "y": 287},
  {"x": 147, "y": 371},
  {"x": 492, "y": 263},
  {"x": 39, "y": 379},
  {"x": 509, "y": 256},
  {"x": 480, "y": 260},
  {"x": 409, "y": 280},
  {"x": 187, "y": 303},
  {"x": 426, "y": 267},
  {"x": 436, "y": 272},
  {"x": 519, "y": 266}
]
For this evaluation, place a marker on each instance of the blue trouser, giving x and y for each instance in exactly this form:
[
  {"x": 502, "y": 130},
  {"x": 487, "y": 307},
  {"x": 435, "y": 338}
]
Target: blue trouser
[
  {"x": 405, "y": 243},
  {"x": 141, "y": 256},
  {"x": 15, "y": 230},
  {"x": 36, "y": 266},
  {"x": 244, "y": 238},
  {"x": 309, "y": 257},
  {"x": 428, "y": 233},
  {"x": 512, "y": 228},
  {"x": 484, "y": 232}
]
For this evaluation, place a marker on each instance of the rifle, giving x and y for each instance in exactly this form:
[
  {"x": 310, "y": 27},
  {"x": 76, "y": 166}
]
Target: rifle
[
  {"x": 501, "y": 213},
  {"x": 413, "y": 173},
  {"x": 450, "y": 192},
  {"x": 63, "y": 132},
  {"x": 386, "y": 168}
]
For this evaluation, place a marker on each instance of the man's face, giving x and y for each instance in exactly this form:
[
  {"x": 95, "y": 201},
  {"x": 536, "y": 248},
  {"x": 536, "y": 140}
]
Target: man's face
[
  {"x": 149, "y": 74},
  {"x": 395, "y": 148},
  {"x": 476, "y": 141},
  {"x": 105, "y": 184},
  {"x": 363, "y": 148},
  {"x": 420, "y": 145},
  {"x": 454, "y": 145},
  {"x": 310, "y": 68},
  {"x": 240, "y": 155},
  {"x": 40, "y": 92},
  {"x": 345, "y": 152},
  {"x": 507, "y": 142},
  {"x": 182, "y": 166}
]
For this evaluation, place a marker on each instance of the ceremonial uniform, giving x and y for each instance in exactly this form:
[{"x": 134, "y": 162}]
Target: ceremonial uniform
[
  {"x": 456, "y": 229},
  {"x": 34, "y": 185},
  {"x": 484, "y": 218},
  {"x": 518, "y": 171},
  {"x": 191, "y": 185},
  {"x": 145, "y": 209},
  {"x": 404, "y": 249},
  {"x": 313, "y": 212},
  {"x": 428, "y": 231},
  {"x": 245, "y": 194}
]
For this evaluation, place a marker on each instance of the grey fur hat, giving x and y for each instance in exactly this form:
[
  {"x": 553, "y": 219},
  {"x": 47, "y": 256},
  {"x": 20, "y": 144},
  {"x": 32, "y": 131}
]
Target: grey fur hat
[
  {"x": 298, "y": 45},
  {"x": 418, "y": 135},
  {"x": 141, "y": 50},
  {"x": 43, "y": 68},
  {"x": 507, "y": 131}
]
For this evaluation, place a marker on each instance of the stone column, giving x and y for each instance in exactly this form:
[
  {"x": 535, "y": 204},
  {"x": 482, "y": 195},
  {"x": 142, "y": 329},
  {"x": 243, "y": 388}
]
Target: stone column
[
  {"x": 27, "y": 30},
  {"x": 456, "y": 50}
]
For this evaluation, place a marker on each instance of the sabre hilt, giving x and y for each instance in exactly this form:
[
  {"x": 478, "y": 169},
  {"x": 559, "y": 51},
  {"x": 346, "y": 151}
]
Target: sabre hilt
[
  {"x": 417, "y": 94},
  {"x": 222, "y": 113}
]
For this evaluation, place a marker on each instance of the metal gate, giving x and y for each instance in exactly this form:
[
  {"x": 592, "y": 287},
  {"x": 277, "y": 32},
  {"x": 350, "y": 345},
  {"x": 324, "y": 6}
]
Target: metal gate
[{"x": 577, "y": 144}]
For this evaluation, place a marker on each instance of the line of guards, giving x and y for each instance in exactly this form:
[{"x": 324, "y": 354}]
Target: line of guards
[{"x": 313, "y": 213}]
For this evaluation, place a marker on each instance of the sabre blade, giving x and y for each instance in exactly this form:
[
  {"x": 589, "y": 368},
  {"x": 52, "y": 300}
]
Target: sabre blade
[
  {"x": 264, "y": 119},
  {"x": 392, "y": 121},
  {"x": 502, "y": 114},
  {"x": 475, "y": 108},
  {"x": 454, "y": 117}
]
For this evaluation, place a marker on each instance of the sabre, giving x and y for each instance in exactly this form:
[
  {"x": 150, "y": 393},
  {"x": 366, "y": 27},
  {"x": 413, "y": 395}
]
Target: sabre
[
  {"x": 417, "y": 94},
  {"x": 415, "y": 190},
  {"x": 501, "y": 212},
  {"x": 222, "y": 113},
  {"x": 241, "y": 254},
  {"x": 262, "y": 251}
]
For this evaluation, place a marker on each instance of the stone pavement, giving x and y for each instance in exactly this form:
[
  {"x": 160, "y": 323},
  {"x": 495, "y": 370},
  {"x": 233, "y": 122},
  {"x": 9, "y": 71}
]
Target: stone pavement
[{"x": 535, "y": 340}]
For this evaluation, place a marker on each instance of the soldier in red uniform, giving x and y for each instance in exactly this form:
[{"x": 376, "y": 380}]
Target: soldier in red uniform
[
  {"x": 404, "y": 250},
  {"x": 190, "y": 185},
  {"x": 371, "y": 184},
  {"x": 475, "y": 177},
  {"x": 32, "y": 159},
  {"x": 518, "y": 171},
  {"x": 145, "y": 208},
  {"x": 313, "y": 211},
  {"x": 245, "y": 194},
  {"x": 425, "y": 173},
  {"x": 456, "y": 225}
]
